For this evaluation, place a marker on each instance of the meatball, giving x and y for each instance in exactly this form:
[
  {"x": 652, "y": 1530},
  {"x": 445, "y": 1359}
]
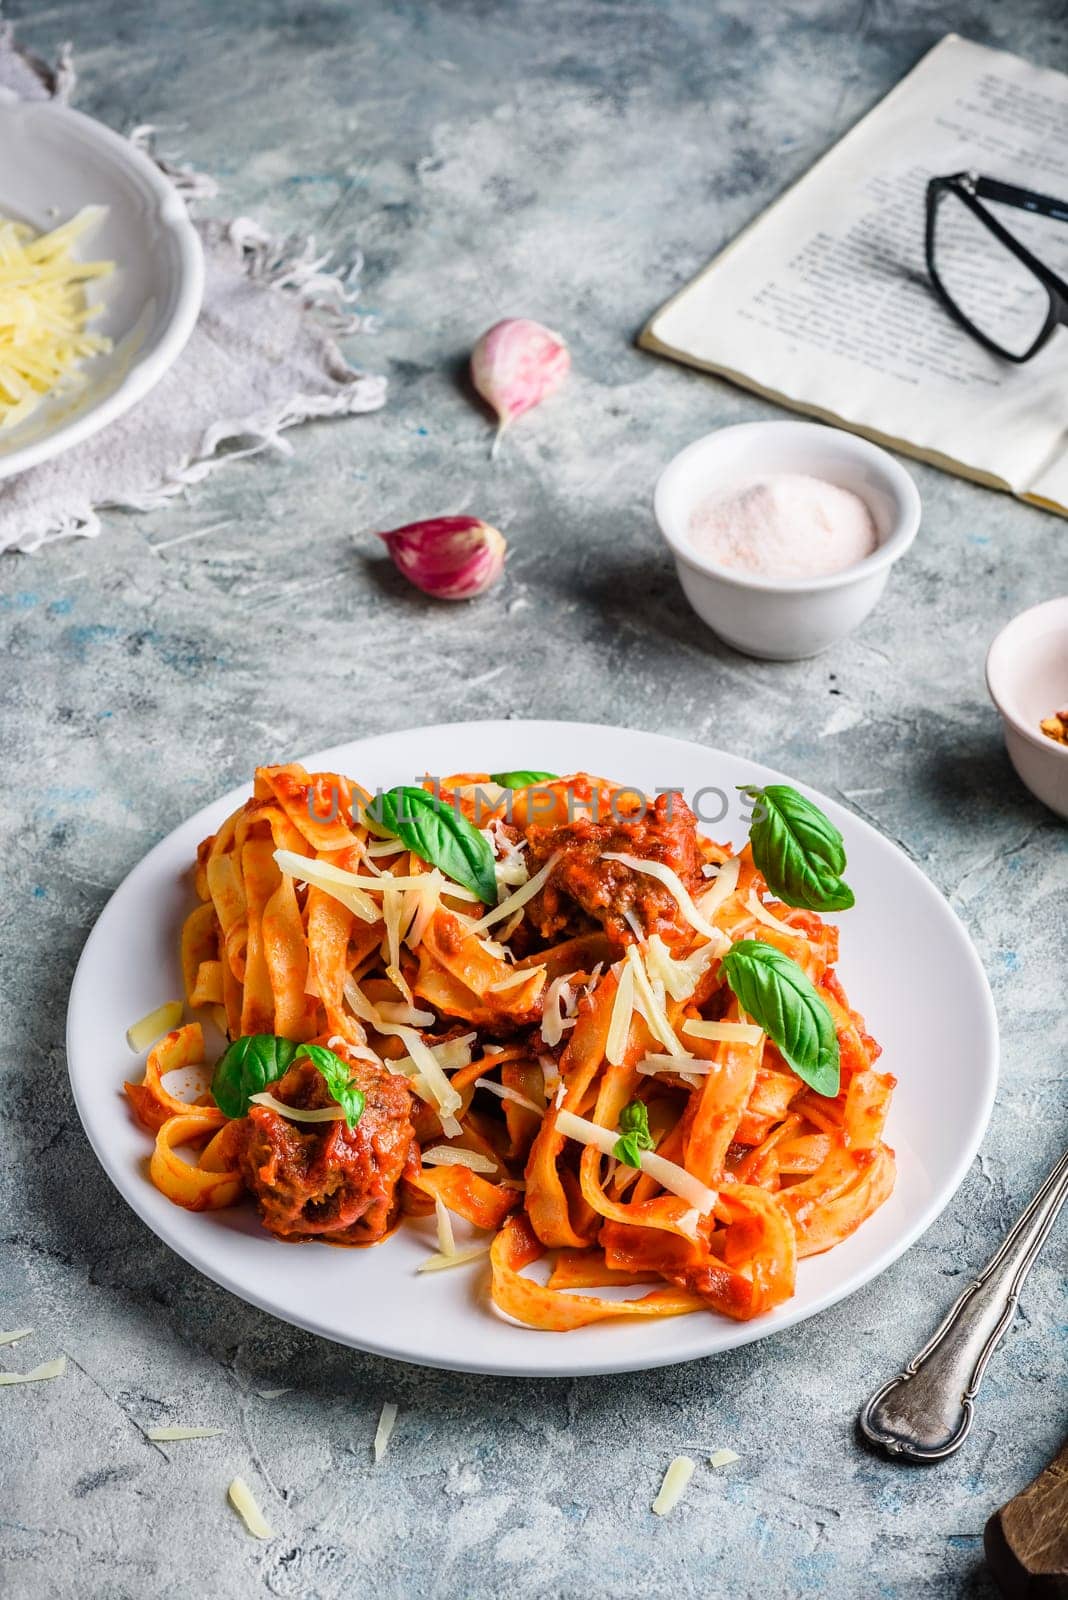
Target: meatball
[
  {"x": 323, "y": 1179},
  {"x": 604, "y": 890}
]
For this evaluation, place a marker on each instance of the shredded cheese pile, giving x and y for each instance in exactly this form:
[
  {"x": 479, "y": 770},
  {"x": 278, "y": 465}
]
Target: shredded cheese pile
[{"x": 43, "y": 313}]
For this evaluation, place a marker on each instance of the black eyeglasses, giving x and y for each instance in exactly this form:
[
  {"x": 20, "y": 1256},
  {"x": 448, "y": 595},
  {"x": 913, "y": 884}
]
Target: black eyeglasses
[{"x": 987, "y": 279}]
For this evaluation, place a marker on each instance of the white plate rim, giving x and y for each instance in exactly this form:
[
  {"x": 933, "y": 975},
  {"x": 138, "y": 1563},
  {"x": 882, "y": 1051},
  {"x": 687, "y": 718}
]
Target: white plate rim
[
  {"x": 144, "y": 374},
  {"x": 721, "y": 1334}
]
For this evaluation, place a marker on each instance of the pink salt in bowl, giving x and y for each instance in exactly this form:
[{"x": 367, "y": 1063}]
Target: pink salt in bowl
[{"x": 785, "y": 618}]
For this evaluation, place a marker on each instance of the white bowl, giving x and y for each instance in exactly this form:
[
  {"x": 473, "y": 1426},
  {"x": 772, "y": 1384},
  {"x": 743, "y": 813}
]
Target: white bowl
[
  {"x": 785, "y": 619},
  {"x": 1027, "y": 675},
  {"x": 54, "y": 161}
]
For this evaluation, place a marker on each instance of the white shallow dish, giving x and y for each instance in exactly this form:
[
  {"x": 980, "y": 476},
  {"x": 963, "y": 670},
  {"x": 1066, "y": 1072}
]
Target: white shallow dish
[
  {"x": 785, "y": 619},
  {"x": 54, "y": 161},
  {"x": 940, "y": 1039},
  {"x": 1027, "y": 675}
]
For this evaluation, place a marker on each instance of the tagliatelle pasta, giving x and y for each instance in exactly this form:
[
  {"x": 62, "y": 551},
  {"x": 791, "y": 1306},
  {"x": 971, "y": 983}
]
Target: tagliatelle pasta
[{"x": 569, "y": 1070}]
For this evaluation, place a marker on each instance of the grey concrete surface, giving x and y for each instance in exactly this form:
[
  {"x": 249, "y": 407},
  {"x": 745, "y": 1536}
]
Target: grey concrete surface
[{"x": 572, "y": 160}]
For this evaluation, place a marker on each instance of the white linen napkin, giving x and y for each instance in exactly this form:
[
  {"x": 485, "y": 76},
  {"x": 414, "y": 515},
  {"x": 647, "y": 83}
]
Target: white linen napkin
[{"x": 261, "y": 358}]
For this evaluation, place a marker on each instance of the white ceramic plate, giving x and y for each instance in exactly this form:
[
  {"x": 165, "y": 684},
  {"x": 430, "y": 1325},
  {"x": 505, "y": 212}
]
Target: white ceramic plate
[
  {"x": 906, "y": 962},
  {"x": 54, "y": 161}
]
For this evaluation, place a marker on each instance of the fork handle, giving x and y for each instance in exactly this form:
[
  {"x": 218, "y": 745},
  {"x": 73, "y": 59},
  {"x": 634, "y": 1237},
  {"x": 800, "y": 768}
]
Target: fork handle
[{"x": 925, "y": 1412}]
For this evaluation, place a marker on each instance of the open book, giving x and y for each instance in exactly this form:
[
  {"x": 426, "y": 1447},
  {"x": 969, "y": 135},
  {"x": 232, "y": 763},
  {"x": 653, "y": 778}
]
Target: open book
[{"x": 824, "y": 304}]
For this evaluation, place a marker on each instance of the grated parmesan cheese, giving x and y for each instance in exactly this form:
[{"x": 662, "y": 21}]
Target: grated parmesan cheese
[
  {"x": 451, "y": 1155},
  {"x": 651, "y": 1007},
  {"x": 672, "y": 883},
  {"x": 726, "y": 1032},
  {"x": 393, "y": 911},
  {"x": 445, "y": 1096},
  {"x": 510, "y": 926},
  {"x": 353, "y": 889},
  {"x": 15, "y": 1335},
  {"x": 425, "y": 899},
  {"x": 296, "y": 1113},
  {"x": 141, "y": 1035},
  {"x": 558, "y": 1009},
  {"x": 401, "y": 1011},
  {"x": 710, "y": 900},
  {"x": 272, "y": 1394},
  {"x": 347, "y": 887},
  {"x": 676, "y": 1481},
  {"x": 446, "y": 1237},
  {"x": 762, "y": 914},
  {"x": 722, "y": 1458},
  {"x": 451, "y": 1055},
  {"x": 386, "y": 1423},
  {"x": 460, "y": 1258},
  {"x": 43, "y": 336},
  {"x": 503, "y": 1092},
  {"x": 244, "y": 1503},
  {"x": 679, "y": 975},
  {"x": 509, "y": 866},
  {"x": 689, "y": 1068},
  {"x": 47, "y": 1369},
  {"x": 664, "y": 1172},
  {"x": 615, "y": 1047},
  {"x": 172, "y": 1435},
  {"x": 514, "y": 979},
  {"x": 516, "y": 901}
]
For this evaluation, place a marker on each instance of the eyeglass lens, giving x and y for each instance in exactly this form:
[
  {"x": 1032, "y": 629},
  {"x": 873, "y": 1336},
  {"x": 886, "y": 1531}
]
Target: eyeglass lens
[{"x": 990, "y": 286}]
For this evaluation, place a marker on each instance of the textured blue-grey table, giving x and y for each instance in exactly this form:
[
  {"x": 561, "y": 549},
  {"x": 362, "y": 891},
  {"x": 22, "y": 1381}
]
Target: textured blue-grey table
[{"x": 573, "y": 160}]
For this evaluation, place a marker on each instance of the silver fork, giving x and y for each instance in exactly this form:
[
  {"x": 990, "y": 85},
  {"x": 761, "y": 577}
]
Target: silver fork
[{"x": 926, "y": 1411}]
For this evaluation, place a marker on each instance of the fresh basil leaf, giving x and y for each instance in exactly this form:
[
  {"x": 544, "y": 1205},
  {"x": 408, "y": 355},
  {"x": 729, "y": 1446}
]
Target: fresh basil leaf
[
  {"x": 522, "y": 780},
  {"x": 798, "y": 851},
  {"x": 440, "y": 835},
  {"x": 634, "y": 1128},
  {"x": 336, "y": 1075},
  {"x": 779, "y": 997},
  {"x": 250, "y": 1065}
]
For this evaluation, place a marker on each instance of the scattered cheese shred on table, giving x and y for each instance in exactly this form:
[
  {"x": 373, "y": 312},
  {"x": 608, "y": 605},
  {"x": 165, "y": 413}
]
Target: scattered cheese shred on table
[
  {"x": 15, "y": 1335},
  {"x": 438, "y": 1263},
  {"x": 676, "y": 1479},
  {"x": 47, "y": 1369},
  {"x": 723, "y": 1458},
  {"x": 272, "y": 1394},
  {"x": 244, "y": 1503},
  {"x": 145, "y": 1033},
  {"x": 169, "y": 1435},
  {"x": 44, "y": 313},
  {"x": 386, "y": 1423}
]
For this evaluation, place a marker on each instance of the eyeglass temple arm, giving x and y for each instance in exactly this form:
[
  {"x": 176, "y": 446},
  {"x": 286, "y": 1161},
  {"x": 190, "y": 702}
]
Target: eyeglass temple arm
[
  {"x": 1024, "y": 199},
  {"x": 974, "y": 189}
]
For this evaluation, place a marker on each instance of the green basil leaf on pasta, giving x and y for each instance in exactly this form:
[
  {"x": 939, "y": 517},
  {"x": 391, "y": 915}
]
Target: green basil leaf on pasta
[
  {"x": 250, "y": 1065},
  {"x": 441, "y": 835},
  {"x": 781, "y": 999},
  {"x": 798, "y": 850},
  {"x": 336, "y": 1074},
  {"x": 521, "y": 780},
  {"x": 635, "y": 1135}
]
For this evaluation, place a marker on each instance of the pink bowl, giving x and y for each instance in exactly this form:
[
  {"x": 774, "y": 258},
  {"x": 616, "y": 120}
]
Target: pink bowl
[{"x": 1027, "y": 675}]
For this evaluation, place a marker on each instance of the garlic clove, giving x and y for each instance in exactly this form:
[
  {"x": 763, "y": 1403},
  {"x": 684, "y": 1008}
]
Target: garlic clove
[
  {"x": 451, "y": 558},
  {"x": 516, "y": 365}
]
